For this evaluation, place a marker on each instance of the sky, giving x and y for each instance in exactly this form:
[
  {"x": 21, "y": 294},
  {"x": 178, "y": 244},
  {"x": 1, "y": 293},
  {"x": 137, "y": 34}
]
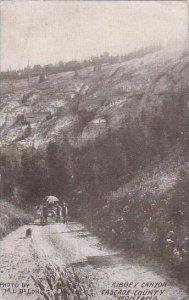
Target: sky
[{"x": 42, "y": 32}]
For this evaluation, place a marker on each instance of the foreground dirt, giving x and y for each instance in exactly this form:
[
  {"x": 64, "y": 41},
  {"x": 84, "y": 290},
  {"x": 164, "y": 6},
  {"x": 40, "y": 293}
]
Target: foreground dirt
[{"x": 101, "y": 273}]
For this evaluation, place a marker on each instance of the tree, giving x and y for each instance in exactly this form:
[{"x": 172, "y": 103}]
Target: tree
[
  {"x": 105, "y": 57},
  {"x": 37, "y": 69},
  {"x": 49, "y": 68},
  {"x": 60, "y": 66},
  {"x": 95, "y": 60},
  {"x": 72, "y": 65}
]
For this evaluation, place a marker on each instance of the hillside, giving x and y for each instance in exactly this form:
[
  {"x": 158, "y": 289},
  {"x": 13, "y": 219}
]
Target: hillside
[{"x": 112, "y": 143}]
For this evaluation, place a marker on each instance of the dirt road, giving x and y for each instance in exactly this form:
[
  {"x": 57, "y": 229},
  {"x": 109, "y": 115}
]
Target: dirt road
[{"x": 69, "y": 256}]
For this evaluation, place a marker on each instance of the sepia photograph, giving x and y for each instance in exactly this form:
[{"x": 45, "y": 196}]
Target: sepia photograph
[{"x": 94, "y": 150}]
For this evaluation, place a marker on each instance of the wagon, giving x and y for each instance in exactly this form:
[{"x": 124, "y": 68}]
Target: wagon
[{"x": 50, "y": 210}]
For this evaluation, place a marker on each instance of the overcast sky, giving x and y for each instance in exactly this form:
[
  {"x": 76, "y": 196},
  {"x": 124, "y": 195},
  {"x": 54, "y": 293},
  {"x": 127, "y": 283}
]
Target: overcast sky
[{"x": 41, "y": 32}]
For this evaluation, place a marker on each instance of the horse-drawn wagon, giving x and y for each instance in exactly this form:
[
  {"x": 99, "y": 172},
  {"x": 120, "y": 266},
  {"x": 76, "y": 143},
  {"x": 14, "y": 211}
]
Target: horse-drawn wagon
[{"x": 50, "y": 210}]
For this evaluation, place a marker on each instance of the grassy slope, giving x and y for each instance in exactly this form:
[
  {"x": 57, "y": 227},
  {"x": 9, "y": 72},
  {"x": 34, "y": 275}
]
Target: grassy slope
[{"x": 149, "y": 214}]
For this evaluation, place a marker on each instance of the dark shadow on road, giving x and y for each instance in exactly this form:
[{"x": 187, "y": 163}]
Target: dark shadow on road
[
  {"x": 101, "y": 261},
  {"x": 24, "y": 238}
]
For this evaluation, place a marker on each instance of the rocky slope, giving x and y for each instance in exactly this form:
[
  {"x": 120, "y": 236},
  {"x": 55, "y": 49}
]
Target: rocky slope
[{"x": 112, "y": 143}]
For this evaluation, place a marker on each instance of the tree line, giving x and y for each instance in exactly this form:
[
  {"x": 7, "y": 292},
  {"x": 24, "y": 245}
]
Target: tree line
[{"x": 75, "y": 65}]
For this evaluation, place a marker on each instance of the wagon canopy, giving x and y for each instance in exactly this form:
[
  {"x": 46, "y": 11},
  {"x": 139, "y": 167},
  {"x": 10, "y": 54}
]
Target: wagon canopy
[{"x": 52, "y": 199}]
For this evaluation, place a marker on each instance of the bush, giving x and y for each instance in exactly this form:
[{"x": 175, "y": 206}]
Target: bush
[{"x": 11, "y": 217}]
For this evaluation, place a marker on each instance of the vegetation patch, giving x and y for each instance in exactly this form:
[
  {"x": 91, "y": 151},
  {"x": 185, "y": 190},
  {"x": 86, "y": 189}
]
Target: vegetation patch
[
  {"x": 64, "y": 283},
  {"x": 11, "y": 217}
]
